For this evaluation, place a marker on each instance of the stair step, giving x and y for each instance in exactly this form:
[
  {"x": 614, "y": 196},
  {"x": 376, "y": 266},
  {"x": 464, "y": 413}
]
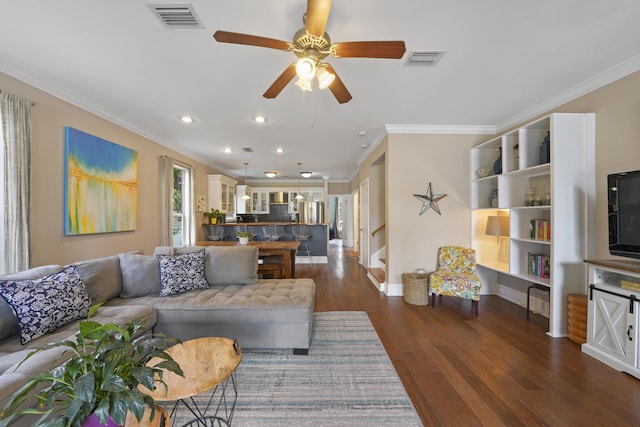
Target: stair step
[
  {"x": 383, "y": 260},
  {"x": 378, "y": 274}
]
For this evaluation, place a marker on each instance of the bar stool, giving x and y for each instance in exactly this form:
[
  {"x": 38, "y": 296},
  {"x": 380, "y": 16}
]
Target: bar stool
[
  {"x": 214, "y": 232},
  {"x": 246, "y": 228},
  {"x": 273, "y": 232},
  {"x": 302, "y": 234}
]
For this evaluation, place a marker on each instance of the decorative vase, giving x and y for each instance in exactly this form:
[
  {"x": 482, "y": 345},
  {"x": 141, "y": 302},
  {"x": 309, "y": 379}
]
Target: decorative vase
[
  {"x": 243, "y": 240},
  {"x": 497, "y": 165},
  {"x": 93, "y": 421},
  {"x": 545, "y": 149}
]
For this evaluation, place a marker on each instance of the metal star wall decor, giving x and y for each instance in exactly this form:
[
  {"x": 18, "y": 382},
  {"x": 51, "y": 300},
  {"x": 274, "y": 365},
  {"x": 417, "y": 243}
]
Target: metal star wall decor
[{"x": 429, "y": 200}]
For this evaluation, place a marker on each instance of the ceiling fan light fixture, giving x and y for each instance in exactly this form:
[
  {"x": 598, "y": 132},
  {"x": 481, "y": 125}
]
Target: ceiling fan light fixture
[
  {"x": 306, "y": 174},
  {"x": 325, "y": 78},
  {"x": 270, "y": 174},
  {"x": 306, "y": 85},
  {"x": 306, "y": 68}
]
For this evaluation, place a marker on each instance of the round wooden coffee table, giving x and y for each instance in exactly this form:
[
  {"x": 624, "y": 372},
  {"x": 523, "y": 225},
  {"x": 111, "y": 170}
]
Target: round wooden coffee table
[{"x": 208, "y": 363}]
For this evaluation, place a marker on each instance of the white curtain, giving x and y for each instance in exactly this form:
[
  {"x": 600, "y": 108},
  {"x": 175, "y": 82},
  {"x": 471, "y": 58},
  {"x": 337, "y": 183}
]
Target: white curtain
[
  {"x": 16, "y": 136},
  {"x": 166, "y": 200}
]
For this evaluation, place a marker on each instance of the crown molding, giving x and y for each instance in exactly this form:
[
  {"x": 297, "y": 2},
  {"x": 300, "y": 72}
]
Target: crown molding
[
  {"x": 608, "y": 76},
  {"x": 11, "y": 68},
  {"x": 440, "y": 129}
]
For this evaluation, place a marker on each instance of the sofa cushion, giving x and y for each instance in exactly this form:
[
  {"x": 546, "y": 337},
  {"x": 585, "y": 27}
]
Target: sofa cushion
[
  {"x": 8, "y": 320},
  {"x": 231, "y": 265},
  {"x": 140, "y": 275},
  {"x": 101, "y": 277},
  {"x": 43, "y": 305},
  {"x": 182, "y": 273}
]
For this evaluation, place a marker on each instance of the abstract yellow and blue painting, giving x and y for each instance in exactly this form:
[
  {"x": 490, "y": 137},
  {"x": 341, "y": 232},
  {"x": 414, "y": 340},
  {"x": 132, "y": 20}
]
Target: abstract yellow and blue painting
[{"x": 101, "y": 185}]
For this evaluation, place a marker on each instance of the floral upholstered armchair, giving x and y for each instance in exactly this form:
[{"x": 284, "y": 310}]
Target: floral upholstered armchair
[{"x": 456, "y": 275}]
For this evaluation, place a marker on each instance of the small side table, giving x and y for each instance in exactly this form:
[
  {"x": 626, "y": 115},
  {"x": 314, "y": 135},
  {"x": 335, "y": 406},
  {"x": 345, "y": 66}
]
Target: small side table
[{"x": 208, "y": 363}]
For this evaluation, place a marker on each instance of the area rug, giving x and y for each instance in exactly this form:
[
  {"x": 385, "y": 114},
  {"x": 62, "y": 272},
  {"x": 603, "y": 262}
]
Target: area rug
[{"x": 346, "y": 380}]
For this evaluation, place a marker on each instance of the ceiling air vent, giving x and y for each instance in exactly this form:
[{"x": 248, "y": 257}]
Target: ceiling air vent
[
  {"x": 176, "y": 15},
  {"x": 425, "y": 58},
  {"x": 247, "y": 150}
]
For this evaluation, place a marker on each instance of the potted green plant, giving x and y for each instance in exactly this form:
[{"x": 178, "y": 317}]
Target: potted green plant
[
  {"x": 244, "y": 236},
  {"x": 213, "y": 216},
  {"x": 102, "y": 378}
]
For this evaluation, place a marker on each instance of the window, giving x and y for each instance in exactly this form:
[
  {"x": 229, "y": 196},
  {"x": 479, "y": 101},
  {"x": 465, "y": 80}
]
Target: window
[
  {"x": 182, "y": 211},
  {"x": 2, "y": 201}
]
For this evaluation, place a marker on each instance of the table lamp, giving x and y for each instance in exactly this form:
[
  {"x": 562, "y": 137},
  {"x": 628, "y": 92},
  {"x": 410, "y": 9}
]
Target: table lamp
[{"x": 498, "y": 226}]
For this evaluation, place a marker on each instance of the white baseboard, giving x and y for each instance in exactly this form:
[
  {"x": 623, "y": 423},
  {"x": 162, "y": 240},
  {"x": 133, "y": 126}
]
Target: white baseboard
[
  {"x": 394, "y": 290},
  {"x": 379, "y": 286}
]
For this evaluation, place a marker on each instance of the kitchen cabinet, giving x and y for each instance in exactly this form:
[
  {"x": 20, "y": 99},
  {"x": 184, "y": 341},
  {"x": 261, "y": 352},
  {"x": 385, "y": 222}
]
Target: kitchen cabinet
[
  {"x": 243, "y": 206},
  {"x": 222, "y": 193},
  {"x": 612, "y": 314},
  {"x": 259, "y": 201}
]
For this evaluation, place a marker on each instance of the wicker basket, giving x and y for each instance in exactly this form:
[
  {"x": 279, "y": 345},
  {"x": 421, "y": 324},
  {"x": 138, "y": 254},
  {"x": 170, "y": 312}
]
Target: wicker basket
[{"x": 416, "y": 287}]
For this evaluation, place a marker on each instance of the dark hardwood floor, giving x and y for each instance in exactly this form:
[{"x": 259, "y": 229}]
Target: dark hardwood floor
[{"x": 493, "y": 370}]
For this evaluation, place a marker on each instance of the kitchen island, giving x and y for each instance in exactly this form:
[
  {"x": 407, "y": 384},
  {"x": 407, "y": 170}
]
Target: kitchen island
[{"x": 318, "y": 242}]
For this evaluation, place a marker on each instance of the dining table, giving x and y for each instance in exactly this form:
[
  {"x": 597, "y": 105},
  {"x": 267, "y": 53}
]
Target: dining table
[{"x": 282, "y": 248}]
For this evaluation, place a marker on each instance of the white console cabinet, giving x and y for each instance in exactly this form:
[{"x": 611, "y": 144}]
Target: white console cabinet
[{"x": 613, "y": 313}]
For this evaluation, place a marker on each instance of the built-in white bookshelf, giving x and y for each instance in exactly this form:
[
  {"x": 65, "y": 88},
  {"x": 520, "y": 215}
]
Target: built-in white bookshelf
[{"x": 552, "y": 195}]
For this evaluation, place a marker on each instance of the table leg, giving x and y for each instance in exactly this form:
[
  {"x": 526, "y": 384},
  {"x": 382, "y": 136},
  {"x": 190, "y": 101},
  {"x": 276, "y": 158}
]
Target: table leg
[{"x": 292, "y": 262}]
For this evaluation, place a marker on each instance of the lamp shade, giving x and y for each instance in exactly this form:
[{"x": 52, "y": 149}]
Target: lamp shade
[
  {"x": 497, "y": 226},
  {"x": 325, "y": 78},
  {"x": 306, "y": 68}
]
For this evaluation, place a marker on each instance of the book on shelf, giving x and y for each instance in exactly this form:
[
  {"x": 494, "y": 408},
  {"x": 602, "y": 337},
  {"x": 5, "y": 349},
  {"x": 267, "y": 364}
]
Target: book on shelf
[
  {"x": 538, "y": 265},
  {"x": 540, "y": 229}
]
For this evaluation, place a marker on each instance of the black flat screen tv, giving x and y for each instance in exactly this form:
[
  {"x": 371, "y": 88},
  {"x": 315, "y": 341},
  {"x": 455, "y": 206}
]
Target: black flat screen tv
[{"x": 624, "y": 213}]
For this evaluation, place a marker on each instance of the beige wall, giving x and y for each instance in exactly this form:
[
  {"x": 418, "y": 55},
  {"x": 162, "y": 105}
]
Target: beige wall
[
  {"x": 414, "y": 161},
  {"x": 617, "y": 108},
  {"x": 48, "y": 243},
  {"x": 339, "y": 188}
]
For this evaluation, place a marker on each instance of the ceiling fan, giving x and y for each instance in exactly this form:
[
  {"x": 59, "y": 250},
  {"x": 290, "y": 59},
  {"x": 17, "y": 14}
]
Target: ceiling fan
[{"x": 311, "y": 44}]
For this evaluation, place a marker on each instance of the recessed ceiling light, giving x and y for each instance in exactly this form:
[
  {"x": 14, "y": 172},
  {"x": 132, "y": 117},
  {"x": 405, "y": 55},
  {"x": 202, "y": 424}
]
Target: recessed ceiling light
[
  {"x": 362, "y": 133},
  {"x": 364, "y": 146},
  {"x": 227, "y": 150},
  {"x": 186, "y": 119},
  {"x": 279, "y": 150},
  {"x": 260, "y": 119},
  {"x": 270, "y": 174}
]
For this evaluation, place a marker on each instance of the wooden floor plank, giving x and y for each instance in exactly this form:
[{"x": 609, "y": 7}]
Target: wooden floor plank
[{"x": 491, "y": 370}]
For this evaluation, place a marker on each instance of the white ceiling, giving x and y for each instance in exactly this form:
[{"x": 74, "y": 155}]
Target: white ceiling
[{"x": 505, "y": 60}]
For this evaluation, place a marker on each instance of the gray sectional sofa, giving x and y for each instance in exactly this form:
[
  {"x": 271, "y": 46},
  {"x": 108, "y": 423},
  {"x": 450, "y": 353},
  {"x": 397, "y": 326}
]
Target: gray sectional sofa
[{"x": 229, "y": 300}]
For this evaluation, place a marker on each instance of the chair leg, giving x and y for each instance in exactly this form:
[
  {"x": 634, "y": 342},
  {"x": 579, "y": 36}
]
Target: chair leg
[
  {"x": 433, "y": 299},
  {"x": 474, "y": 306}
]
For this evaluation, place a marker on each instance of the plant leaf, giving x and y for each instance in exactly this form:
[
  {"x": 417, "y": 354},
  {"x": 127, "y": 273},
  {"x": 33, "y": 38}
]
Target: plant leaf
[{"x": 85, "y": 387}]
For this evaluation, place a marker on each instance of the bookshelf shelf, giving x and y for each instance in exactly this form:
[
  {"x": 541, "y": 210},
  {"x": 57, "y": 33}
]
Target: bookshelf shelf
[{"x": 545, "y": 203}]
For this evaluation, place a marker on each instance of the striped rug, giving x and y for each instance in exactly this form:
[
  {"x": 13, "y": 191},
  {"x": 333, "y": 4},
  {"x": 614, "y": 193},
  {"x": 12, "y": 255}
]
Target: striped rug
[{"x": 346, "y": 380}]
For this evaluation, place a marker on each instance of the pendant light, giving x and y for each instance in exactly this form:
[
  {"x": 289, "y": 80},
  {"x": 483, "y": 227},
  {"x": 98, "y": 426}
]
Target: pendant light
[
  {"x": 245, "y": 196},
  {"x": 299, "y": 196}
]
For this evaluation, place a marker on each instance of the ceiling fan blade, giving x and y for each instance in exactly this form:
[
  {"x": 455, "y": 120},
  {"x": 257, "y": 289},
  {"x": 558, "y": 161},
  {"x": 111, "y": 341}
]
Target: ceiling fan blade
[
  {"x": 337, "y": 88},
  {"x": 247, "y": 39},
  {"x": 287, "y": 75},
  {"x": 317, "y": 16},
  {"x": 381, "y": 49}
]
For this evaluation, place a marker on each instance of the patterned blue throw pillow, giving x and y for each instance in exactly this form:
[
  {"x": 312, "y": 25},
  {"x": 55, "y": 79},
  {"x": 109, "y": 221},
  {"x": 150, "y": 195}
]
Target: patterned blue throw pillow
[
  {"x": 43, "y": 305},
  {"x": 182, "y": 273}
]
